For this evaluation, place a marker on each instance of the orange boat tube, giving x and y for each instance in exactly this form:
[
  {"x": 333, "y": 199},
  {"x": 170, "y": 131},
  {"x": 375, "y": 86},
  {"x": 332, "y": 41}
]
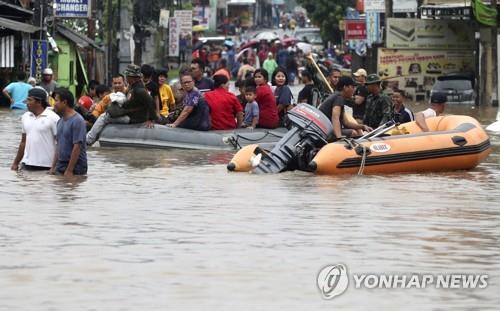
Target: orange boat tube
[
  {"x": 242, "y": 160},
  {"x": 453, "y": 143}
]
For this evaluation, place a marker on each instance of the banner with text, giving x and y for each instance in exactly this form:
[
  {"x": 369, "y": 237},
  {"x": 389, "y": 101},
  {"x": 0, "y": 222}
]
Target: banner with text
[
  {"x": 39, "y": 60},
  {"x": 408, "y": 33},
  {"x": 398, "y": 6},
  {"x": 185, "y": 21},
  {"x": 72, "y": 8},
  {"x": 372, "y": 27},
  {"x": 201, "y": 14},
  {"x": 375, "y": 6},
  {"x": 416, "y": 71},
  {"x": 173, "y": 36},
  {"x": 355, "y": 29}
]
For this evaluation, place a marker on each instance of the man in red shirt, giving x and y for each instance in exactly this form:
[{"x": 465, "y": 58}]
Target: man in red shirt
[{"x": 225, "y": 109}]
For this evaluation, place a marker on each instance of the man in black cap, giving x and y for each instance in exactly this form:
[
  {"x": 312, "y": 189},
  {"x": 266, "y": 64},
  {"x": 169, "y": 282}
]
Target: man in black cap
[
  {"x": 333, "y": 108},
  {"x": 438, "y": 104},
  {"x": 139, "y": 107},
  {"x": 378, "y": 105},
  {"x": 39, "y": 128}
]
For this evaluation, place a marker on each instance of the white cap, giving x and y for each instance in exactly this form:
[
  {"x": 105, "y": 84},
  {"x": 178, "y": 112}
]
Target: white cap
[
  {"x": 47, "y": 71},
  {"x": 360, "y": 72}
]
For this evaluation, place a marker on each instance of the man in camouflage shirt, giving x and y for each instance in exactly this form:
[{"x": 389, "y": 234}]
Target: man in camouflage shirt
[{"x": 378, "y": 105}]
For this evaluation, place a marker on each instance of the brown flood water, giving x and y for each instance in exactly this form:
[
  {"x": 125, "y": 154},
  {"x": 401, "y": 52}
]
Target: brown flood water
[{"x": 172, "y": 230}]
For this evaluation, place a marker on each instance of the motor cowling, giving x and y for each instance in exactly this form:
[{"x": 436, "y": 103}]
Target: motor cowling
[{"x": 309, "y": 130}]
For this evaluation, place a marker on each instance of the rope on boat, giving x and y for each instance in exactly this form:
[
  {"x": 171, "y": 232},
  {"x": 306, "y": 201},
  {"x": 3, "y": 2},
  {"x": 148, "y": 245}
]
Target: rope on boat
[
  {"x": 360, "y": 150},
  {"x": 363, "y": 161}
]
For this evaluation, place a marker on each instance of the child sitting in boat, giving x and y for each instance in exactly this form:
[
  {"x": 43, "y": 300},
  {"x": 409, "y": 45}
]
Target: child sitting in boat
[
  {"x": 251, "y": 109},
  {"x": 438, "y": 103}
]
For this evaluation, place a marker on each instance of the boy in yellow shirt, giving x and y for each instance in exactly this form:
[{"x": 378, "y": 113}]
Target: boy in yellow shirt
[{"x": 167, "y": 100}]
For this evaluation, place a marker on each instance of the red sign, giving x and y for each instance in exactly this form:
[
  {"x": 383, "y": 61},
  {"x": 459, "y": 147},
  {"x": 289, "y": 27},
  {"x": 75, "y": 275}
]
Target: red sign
[{"x": 355, "y": 29}]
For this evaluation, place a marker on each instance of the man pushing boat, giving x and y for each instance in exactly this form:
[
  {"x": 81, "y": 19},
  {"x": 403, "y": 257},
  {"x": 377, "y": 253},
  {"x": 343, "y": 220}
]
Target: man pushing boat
[{"x": 438, "y": 104}]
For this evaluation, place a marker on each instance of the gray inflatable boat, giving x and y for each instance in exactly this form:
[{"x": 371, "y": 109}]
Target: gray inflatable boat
[{"x": 136, "y": 135}]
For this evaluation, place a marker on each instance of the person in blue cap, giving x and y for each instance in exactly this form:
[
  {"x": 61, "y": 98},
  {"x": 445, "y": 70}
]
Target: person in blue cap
[{"x": 438, "y": 104}]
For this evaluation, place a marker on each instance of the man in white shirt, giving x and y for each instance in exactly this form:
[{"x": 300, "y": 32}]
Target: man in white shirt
[
  {"x": 39, "y": 127},
  {"x": 438, "y": 104}
]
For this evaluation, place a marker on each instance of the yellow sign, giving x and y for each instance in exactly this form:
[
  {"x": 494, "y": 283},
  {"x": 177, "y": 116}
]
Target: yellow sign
[{"x": 415, "y": 71}]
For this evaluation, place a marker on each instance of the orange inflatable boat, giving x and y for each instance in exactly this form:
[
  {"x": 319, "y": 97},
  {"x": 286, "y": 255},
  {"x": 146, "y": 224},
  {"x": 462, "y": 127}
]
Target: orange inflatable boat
[{"x": 453, "y": 143}]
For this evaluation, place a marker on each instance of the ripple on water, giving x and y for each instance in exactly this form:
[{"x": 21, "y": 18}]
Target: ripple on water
[{"x": 172, "y": 229}]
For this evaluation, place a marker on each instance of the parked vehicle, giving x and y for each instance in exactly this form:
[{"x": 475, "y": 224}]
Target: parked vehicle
[
  {"x": 458, "y": 88},
  {"x": 311, "y": 36}
]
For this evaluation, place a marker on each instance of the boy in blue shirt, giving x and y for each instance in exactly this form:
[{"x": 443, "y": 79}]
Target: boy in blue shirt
[{"x": 251, "y": 118}]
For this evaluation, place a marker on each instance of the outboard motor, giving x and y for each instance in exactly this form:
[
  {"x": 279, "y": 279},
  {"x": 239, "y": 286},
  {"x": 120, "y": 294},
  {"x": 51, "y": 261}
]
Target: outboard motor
[{"x": 310, "y": 130}]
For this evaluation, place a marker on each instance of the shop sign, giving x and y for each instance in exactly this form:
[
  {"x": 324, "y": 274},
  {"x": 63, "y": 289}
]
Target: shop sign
[
  {"x": 355, "y": 29},
  {"x": 39, "y": 58},
  {"x": 72, "y": 8},
  {"x": 409, "y": 33},
  {"x": 416, "y": 71}
]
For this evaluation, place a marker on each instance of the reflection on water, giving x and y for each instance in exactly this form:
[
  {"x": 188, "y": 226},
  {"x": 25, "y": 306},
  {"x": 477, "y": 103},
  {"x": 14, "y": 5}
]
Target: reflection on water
[{"x": 171, "y": 229}]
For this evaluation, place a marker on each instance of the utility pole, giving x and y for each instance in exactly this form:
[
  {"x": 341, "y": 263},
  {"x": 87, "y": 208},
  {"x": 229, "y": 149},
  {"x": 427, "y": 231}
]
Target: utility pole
[
  {"x": 125, "y": 31},
  {"x": 91, "y": 30},
  {"x": 388, "y": 14},
  {"x": 110, "y": 40},
  {"x": 494, "y": 45}
]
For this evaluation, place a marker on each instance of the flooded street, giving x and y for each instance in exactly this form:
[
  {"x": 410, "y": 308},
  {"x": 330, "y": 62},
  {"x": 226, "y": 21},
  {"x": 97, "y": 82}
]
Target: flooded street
[{"x": 173, "y": 230}]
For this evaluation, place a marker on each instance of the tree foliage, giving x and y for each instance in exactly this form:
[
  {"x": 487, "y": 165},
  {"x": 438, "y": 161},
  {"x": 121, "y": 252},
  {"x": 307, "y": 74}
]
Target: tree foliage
[{"x": 327, "y": 14}]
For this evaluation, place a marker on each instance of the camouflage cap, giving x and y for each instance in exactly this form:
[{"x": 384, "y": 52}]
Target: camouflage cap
[
  {"x": 372, "y": 79},
  {"x": 133, "y": 71}
]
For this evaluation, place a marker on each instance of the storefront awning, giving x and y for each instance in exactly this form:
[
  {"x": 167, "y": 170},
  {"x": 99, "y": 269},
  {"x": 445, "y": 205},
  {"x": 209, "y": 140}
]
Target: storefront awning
[
  {"x": 14, "y": 25},
  {"x": 14, "y": 8},
  {"x": 78, "y": 38},
  {"x": 241, "y": 2}
]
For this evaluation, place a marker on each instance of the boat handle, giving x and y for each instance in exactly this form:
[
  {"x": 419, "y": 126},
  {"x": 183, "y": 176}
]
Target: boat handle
[{"x": 459, "y": 140}]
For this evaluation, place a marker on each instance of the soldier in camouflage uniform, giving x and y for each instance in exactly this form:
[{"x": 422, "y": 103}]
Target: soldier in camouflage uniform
[{"x": 379, "y": 108}]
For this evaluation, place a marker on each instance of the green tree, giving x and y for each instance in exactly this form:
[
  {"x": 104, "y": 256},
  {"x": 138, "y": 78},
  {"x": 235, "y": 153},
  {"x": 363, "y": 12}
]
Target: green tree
[{"x": 327, "y": 14}]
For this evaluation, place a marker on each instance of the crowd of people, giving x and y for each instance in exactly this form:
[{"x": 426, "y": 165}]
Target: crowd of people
[{"x": 57, "y": 129}]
